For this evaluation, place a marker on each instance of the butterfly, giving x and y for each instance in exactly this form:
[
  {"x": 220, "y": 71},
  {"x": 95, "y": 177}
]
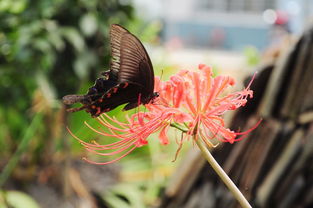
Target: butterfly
[{"x": 130, "y": 79}]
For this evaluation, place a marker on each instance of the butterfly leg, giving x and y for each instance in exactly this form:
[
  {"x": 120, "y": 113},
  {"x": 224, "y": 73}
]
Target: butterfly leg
[{"x": 132, "y": 105}]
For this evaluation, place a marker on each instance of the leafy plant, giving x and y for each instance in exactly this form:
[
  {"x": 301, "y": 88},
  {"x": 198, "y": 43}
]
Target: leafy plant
[{"x": 48, "y": 49}]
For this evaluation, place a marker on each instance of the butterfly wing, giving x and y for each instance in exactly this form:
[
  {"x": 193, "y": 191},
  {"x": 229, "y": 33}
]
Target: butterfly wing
[
  {"x": 130, "y": 76},
  {"x": 101, "y": 87},
  {"x": 115, "y": 97},
  {"x": 116, "y": 35},
  {"x": 133, "y": 60}
]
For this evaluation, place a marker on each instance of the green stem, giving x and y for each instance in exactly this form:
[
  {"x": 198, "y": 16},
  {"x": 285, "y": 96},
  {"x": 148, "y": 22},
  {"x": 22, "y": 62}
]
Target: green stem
[
  {"x": 20, "y": 149},
  {"x": 179, "y": 127},
  {"x": 219, "y": 170}
]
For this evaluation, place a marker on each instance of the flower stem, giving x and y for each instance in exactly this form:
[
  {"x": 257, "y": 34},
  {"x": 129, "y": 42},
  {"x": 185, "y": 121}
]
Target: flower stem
[
  {"x": 179, "y": 127},
  {"x": 218, "y": 169}
]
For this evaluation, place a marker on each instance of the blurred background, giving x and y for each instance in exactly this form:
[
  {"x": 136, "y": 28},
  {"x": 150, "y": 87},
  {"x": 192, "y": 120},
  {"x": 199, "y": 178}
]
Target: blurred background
[{"x": 51, "y": 48}]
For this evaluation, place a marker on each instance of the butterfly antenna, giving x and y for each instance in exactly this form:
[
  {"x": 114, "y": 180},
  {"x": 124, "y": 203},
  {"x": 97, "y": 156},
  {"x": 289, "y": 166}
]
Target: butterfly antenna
[
  {"x": 138, "y": 105},
  {"x": 161, "y": 74}
]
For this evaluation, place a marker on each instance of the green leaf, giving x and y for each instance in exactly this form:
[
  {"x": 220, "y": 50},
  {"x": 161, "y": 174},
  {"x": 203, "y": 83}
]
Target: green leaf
[
  {"x": 252, "y": 55},
  {"x": 16, "y": 199},
  {"x": 74, "y": 37},
  {"x": 83, "y": 63},
  {"x": 130, "y": 192},
  {"x": 14, "y": 7},
  {"x": 88, "y": 24},
  {"x": 18, "y": 6}
]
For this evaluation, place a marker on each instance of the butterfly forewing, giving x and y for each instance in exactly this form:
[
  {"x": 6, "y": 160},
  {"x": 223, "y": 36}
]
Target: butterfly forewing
[
  {"x": 136, "y": 66},
  {"x": 116, "y": 34}
]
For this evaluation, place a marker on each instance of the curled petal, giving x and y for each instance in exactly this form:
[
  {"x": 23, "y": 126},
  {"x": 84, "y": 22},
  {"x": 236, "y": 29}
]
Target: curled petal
[{"x": 163, "y": 136}]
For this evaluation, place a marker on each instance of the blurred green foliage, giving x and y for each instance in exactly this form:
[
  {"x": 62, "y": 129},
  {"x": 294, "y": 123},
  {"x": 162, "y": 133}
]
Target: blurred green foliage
[
  {"x": 49, "y": 48},
  {"x": 64, "y": 40},
  {"x": 252, "y": 56},
  {"x": 56, "y": 46}
]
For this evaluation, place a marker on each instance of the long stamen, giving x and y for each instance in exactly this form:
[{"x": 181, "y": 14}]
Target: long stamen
[
  {"x": 188, "y": 98},
  {"x": 112, "y": 161},
  {"x": 121, "y": 149},
  {"x": 212, "y": 94}
]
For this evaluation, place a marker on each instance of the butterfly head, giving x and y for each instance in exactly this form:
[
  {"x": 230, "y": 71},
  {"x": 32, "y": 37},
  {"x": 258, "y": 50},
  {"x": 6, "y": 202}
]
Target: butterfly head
[
  {"x": 155, "y": 95},
  {"x": 149, "y": 99}
]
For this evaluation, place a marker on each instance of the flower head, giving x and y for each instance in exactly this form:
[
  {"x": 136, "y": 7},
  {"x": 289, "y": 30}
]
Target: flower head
[{"x": 193, "y": 102}]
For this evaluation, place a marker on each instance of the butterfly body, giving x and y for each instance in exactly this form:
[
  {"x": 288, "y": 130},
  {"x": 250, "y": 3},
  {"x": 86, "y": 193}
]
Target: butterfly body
[{"x": 130, "y": 79}]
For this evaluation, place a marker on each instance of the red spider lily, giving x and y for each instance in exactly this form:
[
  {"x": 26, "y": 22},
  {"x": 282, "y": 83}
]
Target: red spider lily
[{"x": 190, "y": 101}]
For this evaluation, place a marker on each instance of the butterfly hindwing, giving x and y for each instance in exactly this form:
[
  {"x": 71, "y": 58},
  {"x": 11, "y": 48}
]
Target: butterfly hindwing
[{"x": 114, "y": 98}]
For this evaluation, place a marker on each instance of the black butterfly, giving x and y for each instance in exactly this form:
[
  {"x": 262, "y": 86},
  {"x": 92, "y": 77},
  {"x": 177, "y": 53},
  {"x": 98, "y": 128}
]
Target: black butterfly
[{"x": 130, "y": 78}]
